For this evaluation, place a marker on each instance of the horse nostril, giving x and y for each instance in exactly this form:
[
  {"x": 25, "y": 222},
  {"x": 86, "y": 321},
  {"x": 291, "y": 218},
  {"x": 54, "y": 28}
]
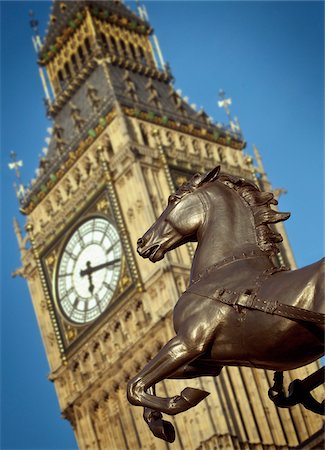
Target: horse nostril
[{"x": 140, "y": 242}]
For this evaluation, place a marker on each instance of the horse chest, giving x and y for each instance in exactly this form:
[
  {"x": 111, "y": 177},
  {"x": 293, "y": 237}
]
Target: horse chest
[{"x": 194, "y": 315}]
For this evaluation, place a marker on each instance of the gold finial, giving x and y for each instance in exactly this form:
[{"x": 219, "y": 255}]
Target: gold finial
[
  {"x": 29, "y": 227},
  {"x": 248, "y": 160},
  {"x": 15, "y": 165},
  {"x": 156, "y": 135}
]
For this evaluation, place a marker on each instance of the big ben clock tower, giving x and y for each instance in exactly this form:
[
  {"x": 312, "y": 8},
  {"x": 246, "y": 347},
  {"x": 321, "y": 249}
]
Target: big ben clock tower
[{"x": 123, "y": 140}]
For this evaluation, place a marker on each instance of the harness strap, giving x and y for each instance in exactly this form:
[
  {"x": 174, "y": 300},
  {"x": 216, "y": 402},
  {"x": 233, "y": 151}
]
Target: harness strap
[{"x": 250, "y": 300}]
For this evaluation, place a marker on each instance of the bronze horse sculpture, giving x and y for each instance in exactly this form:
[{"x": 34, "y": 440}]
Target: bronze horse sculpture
[{"x": 240, "y": 308}]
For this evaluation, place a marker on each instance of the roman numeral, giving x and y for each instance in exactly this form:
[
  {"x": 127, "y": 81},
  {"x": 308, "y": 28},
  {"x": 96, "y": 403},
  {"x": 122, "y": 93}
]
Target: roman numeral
[
  {"x": 71, "y": 255},
  {"x": 108, "y": 286},
  {"x": 82, "y": 244},
  {"x": 93, "y": 229},
  {"x": 76, "y": 303},
  {"x": 98, "y": 302},
  {"x": 103, "y": 236}
]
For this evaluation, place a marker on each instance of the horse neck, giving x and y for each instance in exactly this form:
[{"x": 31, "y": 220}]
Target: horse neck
[{"x": 227, "y": 230}]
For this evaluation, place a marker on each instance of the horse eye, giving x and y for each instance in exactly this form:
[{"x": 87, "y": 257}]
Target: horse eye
[{"x": 171, "y": 199}]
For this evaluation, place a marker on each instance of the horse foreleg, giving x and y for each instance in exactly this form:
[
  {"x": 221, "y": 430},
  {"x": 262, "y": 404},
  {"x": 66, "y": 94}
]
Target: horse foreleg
[
  {"x": 175, "y": 354},
  {"x": 159, "y": 427},
  {"x": 198, "y": 368}
]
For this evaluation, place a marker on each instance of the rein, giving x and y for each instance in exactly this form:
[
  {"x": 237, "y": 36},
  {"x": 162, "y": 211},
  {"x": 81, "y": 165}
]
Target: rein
[{"x": 249, "y": 297}]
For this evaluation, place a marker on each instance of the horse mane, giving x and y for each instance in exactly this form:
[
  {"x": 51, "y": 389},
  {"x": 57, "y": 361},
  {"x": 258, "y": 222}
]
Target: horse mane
[{"x": 259, "y": 203}]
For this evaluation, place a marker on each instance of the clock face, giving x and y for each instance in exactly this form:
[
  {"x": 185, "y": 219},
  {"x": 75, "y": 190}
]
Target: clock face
[{"x": 89, "y": 270}]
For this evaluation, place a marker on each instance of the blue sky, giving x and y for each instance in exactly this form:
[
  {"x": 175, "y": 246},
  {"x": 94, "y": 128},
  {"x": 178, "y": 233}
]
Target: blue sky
[{"x": 267, "y": 56}]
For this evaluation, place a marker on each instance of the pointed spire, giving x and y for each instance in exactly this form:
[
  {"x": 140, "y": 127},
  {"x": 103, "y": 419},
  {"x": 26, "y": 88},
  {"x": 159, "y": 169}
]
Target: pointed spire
[
  {"x": 156, "y": 50},
  {"x": 18, "y": 234},
  {"x": 258, "y": 158},
  {"x": 44, "y": 84},
  {"x": 22, "y": 245},
  {"x": 37, "y": 43}
]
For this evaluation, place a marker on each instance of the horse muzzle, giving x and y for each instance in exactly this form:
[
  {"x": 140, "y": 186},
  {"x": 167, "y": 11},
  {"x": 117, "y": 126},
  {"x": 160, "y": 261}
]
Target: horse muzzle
[{"x": 149, "y": 251}]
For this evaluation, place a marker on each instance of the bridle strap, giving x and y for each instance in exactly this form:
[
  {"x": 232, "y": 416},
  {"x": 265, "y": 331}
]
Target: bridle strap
[{"x": 253, "y": 254}]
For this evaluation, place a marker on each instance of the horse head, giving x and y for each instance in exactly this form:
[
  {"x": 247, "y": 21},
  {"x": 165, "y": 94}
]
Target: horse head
[{"x": 179, "y": 222}]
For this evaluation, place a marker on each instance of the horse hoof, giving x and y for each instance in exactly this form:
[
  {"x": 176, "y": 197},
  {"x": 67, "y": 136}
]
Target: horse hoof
[
  {"x": 194, "y": 396},
  {"x": 165, "y": 431},
  {"x": 160, "y": 428}
]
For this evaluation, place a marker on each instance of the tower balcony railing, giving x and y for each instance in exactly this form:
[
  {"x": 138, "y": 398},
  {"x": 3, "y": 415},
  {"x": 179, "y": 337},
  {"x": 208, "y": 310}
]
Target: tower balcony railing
[{"x": 187, "y": 118}]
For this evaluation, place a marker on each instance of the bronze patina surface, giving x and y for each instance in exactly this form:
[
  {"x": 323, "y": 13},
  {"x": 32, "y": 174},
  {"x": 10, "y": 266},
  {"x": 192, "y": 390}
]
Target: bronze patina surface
[{"x": 239, "y": 309}]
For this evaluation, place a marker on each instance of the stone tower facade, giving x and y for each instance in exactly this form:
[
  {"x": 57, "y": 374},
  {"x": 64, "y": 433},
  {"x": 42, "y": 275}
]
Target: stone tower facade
[{"x": 122, "y": 141}]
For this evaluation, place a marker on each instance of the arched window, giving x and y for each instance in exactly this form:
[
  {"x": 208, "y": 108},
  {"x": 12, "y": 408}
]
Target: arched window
[
  {"x": 67, "y": 70},
  {"x": 196, "y": 146},
  {"x": 61, "y": 78},
  {"x": 133, "y": 52},
  {"x": 123, "y": 47},
  {"x": 142, "y": 56},
  {"x": 171, "y": 147},
  {"x": 81, "y": 54},
  {"x": 209, "y": 151},
  {"x": 144, "y": 135},
  {"x": 114, "y": 45},
  {"x": 182, "y": 142},
  {"x": 104, "y": 42},
  {"x": 74, "y": 63},
  {"x": 221, "y": 154},
  {"x": 88, "y": 46},
  {"x": 169, "y": 138}
]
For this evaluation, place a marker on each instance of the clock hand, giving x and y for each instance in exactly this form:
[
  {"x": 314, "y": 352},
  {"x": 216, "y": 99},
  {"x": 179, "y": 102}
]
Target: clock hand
[
  {"x": 90, "y": 269},
  {"x": 91, "y": 286}
]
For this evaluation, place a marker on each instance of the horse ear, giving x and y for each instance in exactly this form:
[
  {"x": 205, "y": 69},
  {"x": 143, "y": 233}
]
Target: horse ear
[{"x": 210, "y": 176}]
